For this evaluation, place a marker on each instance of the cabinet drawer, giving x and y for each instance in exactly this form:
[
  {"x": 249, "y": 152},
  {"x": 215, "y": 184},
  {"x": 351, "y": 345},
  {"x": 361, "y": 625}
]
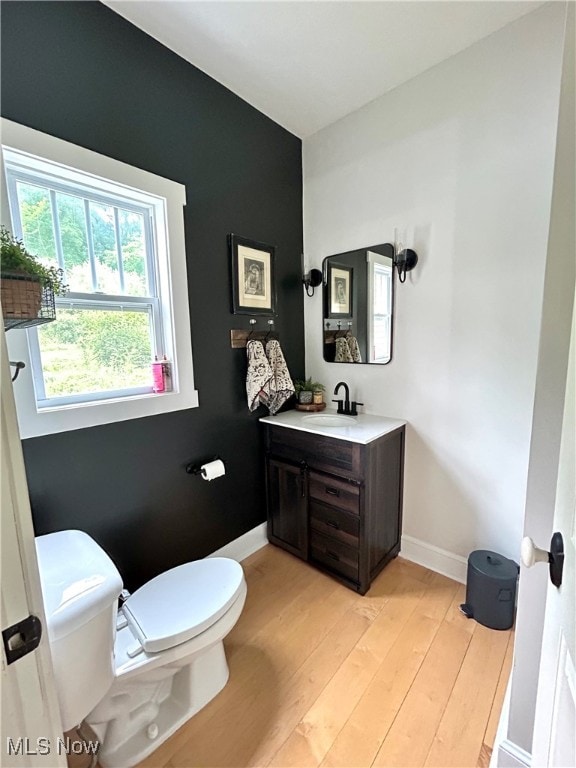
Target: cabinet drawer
[
  {"x": 325, "y": 453},
  {"x": 333, "y": 492},
  {"x": 334, "y": 555},
  {"x": 334, "y": 523}
]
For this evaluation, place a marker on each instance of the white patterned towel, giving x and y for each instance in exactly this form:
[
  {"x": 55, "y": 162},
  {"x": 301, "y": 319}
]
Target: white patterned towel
[
  {"x": 354, "y": 349},
  {"x": 343, "y": 354},
  {"x": 281, "y": 386},
  {"x": 258, "y": 376}
]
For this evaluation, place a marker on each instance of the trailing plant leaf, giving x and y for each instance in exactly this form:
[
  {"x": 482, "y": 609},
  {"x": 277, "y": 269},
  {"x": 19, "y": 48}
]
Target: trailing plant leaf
[
  {"x": 15, "y": 258},
  {"x": 307, "y": 385}
]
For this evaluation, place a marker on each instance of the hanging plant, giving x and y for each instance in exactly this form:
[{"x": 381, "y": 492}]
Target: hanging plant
[
  {"x": 15, "y": 259},
  {"x": 27, "y": 286}
]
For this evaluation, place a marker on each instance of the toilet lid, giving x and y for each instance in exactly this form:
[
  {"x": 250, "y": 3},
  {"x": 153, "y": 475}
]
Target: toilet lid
[{"x": 183, "y": 602}]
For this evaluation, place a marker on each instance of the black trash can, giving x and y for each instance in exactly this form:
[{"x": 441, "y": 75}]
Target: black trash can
[{"x": 491, "y": 589}]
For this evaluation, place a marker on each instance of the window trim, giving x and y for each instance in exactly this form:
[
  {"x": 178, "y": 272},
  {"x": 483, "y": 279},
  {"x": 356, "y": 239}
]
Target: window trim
[
  {"x": 376, "y": 259},
  {"x": 170, "y": 197}
]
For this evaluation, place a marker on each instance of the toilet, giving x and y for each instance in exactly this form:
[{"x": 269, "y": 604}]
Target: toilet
[{"x": 137, "y": 673}]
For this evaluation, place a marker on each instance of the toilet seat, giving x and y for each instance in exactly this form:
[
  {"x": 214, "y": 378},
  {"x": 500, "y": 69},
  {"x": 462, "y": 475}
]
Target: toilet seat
[{"x": 183, "y": 602}]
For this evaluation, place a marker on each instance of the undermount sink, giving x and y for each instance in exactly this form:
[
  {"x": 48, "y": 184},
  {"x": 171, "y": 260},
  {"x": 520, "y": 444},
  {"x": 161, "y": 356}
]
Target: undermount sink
[{"x": 329, "y": 420}]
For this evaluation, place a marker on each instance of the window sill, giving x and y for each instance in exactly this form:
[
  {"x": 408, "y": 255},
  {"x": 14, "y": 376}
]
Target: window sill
[
  {"x": 103, "y": 401},
  {"x": 64, "y": 418}
]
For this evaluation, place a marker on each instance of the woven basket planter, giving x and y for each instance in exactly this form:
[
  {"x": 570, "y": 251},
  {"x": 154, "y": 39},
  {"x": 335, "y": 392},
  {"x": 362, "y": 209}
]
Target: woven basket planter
[{"x": 25, "y": 301}]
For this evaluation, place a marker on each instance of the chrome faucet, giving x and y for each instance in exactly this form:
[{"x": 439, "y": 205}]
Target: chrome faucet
[{"x": 345, "y": 406}]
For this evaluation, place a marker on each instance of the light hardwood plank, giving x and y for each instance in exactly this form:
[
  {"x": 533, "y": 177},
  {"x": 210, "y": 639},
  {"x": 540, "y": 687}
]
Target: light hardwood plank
[
  {"x": 484, "y": 757},
  {"x": 267, "y": 577},
  {"x": 413, "y": 569},
  {"x": 314, "y": 735},
  {"x": 253, "y": 723},
  {"x": 459, "y": 736},
  {"x": 493, "y": 720},
  {"x": 277, "y": 647},
  {"x": 455, "y": 615},
  {"x": 360, "y": 739},
  {"x": 250, "y": 713},
  {"x": 298, "y": 697},
  {"x": 322, "y": 676},
  {"x": 408, "y": 741}
]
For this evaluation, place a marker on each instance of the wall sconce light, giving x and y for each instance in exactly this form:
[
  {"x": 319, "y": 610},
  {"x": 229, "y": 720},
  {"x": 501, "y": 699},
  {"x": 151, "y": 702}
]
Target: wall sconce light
[
  {"x": 312, "y": 279},
  {"x": 405, "y": 260}
]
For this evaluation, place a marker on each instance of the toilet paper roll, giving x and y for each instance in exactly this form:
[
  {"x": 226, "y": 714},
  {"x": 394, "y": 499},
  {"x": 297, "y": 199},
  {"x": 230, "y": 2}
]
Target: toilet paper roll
[{"x": 213, "y": 469}]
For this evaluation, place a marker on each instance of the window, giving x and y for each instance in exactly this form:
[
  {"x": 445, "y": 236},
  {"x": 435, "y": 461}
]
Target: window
[
  {"x": 379, "y": 308},
  {"x": 117, "y": 233}
]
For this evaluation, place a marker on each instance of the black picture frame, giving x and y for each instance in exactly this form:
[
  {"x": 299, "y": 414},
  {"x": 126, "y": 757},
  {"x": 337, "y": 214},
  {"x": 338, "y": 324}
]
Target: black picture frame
[
  {"x": 340, "y": 283},
  {"x": 252, "y": 276}
]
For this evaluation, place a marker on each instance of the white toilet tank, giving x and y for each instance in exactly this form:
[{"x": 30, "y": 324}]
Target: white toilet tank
[{"x": 80, "y": 587}]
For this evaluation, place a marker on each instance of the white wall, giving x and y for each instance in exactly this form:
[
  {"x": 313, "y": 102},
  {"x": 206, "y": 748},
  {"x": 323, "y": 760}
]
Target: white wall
[{"x": 460, "y": 160}]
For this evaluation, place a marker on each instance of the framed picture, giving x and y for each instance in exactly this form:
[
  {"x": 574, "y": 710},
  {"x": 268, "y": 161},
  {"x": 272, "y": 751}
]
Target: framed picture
[
  {"x": 253, "y": 288},
  {"x": 340, "y": 291}
]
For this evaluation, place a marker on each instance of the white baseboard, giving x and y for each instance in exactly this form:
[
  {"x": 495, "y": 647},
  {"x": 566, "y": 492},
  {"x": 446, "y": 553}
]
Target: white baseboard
[
  {"x": 510, "y": 755},
  {"x": 507, "y": 754},
  {"x": 439, "y": 560},
  {"x": 244, "y": 545},
  {"x": 434, "y": 558},
  {"x": 502, "y": 729}
]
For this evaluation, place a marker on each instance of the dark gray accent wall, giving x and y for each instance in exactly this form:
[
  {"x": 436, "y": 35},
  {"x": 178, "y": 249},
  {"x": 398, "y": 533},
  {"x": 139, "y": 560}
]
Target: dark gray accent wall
[{"x": 78, "y": 71}]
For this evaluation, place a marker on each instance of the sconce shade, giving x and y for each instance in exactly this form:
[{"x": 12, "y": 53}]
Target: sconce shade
[
  {"x": 404, "y": 261},
  {"x": 312, "y": 280}
]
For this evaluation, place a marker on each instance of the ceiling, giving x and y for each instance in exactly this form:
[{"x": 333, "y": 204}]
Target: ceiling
[{"x": 308, "y": 63}]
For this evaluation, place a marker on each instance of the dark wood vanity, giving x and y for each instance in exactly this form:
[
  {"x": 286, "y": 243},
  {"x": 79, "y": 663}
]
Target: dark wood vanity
[{"x": 334, "y": 502}]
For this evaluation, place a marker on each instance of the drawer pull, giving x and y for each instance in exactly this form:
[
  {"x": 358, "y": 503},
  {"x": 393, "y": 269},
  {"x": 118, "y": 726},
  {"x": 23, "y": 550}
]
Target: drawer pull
[
  {"x": 333, "y": 555},
  {"x": 332, "y": 491},
  {"x": 333, "y": 524}
]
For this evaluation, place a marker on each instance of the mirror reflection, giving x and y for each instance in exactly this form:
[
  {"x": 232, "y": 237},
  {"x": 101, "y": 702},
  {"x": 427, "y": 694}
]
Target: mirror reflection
[{"x": 358, "y": 305}]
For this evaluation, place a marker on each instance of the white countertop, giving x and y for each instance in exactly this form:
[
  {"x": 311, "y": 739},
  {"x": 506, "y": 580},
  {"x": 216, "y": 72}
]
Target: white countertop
[{"x": 358, "y": 429}]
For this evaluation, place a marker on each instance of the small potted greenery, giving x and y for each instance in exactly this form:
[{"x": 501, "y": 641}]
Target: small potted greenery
[
  {"x": 25, "y": 283},
  {"x": 308, "y": 391}
]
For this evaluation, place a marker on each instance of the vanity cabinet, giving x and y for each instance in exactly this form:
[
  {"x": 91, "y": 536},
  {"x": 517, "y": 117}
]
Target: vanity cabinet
[{"x": 336, "y": 503}]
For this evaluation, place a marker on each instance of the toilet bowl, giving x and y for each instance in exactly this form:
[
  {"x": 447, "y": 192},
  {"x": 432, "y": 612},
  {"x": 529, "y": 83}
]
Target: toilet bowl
[{"x": 138, "y": 673}]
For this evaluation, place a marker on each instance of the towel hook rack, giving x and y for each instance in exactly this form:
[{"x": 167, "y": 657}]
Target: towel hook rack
[{"x": 239, "y": 338}]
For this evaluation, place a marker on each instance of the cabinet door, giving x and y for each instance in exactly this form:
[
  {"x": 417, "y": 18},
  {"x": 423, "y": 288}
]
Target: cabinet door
[
  {"x": 383, "y": 503},
  {"x": 288, "y": 506}
]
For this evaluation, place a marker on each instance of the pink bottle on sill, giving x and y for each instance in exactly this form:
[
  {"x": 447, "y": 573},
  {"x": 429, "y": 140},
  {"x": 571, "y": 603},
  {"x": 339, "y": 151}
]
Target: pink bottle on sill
[{"x": 157, "y": 376}]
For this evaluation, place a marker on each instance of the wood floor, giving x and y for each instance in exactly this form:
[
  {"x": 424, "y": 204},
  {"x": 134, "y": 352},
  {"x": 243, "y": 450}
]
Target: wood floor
[{"x": 320, "y": 676}]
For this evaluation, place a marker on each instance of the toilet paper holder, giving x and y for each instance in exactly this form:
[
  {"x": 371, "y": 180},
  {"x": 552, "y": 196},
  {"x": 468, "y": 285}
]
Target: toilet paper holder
[{"x": 196, "y": 468}]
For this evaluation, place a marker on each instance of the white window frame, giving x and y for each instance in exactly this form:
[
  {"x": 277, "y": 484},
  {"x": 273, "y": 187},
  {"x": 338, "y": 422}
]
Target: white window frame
[
  {"x": 23, "y": 169},
  {"x": 384, "y": 262},
  {"x": 36, "y": 150}
]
